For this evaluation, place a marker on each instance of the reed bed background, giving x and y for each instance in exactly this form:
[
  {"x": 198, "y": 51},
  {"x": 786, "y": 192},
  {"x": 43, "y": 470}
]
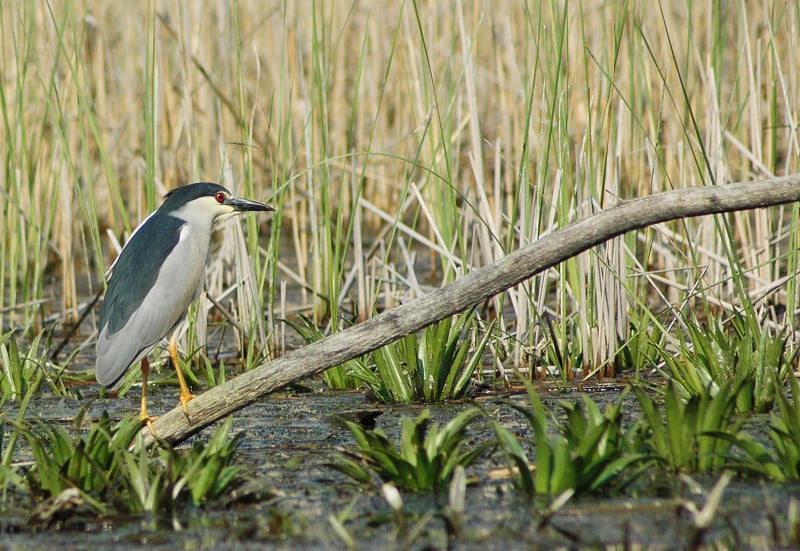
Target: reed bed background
[{"x": 405, "y": 143}]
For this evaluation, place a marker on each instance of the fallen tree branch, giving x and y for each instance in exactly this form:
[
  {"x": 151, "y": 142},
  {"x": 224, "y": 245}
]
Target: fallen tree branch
[{"x": 472, "y": 289}]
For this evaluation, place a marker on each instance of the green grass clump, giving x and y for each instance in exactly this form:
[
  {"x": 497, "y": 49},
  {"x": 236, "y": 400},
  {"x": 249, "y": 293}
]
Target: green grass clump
[
  {"x": 740, "y": 350},
  {"x": 425, "y": 460},
  {"x": 110, "y": 477},
  {"x": 590, "y": 453},
  {"x": 693, "y": 435},
  {"x": 433, "y": 367},
  {"x": 785, "y": 431},
  {"x": 781, "y": 460},
  {"x": 21, "y": 374}
]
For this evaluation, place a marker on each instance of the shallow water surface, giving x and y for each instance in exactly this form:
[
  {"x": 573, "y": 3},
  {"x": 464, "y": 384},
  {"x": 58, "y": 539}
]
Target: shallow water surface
[{"x": 289, "y": 438}]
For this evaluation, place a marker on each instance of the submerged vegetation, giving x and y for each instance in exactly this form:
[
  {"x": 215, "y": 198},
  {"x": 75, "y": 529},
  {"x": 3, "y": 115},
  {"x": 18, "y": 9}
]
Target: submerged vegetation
[{"x": 404, "y": 144}]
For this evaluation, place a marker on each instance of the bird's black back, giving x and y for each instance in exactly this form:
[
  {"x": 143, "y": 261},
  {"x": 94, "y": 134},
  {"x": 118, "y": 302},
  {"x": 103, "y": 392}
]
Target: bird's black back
[{"x": 136, "y": 269}]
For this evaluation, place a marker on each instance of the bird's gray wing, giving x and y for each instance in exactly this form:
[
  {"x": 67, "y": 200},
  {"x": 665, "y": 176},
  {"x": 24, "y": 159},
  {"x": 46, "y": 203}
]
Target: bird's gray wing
[{"x": 133, "y": 318}]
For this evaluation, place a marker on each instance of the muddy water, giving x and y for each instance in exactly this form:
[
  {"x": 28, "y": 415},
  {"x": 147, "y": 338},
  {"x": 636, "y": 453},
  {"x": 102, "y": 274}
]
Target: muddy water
[{"x": 289, "y": 438}]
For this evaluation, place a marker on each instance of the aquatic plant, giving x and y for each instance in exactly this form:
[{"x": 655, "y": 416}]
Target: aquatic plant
[
  {"x": 432, "y": 367},
  {"x": 781, "y": 460},
  {"x": 107, "y": 475},
  {"x": 21, "y": 374},
  {"x": 590, "y": 453},
  {"x": 425, "y": 458},
  {"x": 738, "y": 348},
  {"x": 693, "y": 435}
]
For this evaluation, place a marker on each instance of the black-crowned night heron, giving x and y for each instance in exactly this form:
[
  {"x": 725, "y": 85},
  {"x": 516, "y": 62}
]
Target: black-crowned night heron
[{"x": 159, "y": 272}]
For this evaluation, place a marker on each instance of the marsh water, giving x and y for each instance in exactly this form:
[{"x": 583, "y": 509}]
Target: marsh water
[{"x": 289, "y": 438}]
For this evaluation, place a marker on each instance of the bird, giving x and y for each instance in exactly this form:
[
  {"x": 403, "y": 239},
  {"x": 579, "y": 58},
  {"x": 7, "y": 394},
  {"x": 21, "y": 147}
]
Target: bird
[{"x": 155, "y": 278}]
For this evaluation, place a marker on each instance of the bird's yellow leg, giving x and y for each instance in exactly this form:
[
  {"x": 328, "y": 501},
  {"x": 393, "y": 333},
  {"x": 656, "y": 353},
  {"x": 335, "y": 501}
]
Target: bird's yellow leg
[
  {"x": 185, "y": 396},
  {"x": 143, "y": 415}
]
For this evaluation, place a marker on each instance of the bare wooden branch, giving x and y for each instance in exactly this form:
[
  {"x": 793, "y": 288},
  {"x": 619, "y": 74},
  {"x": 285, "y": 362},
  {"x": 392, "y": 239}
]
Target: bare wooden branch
[{"x": 469, "y": 291}]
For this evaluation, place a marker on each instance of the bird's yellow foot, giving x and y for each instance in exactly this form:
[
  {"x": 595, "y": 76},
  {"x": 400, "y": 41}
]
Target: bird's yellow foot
[
  {"x": 147, "y": 420},
  {"x": 184, "y": 400}
]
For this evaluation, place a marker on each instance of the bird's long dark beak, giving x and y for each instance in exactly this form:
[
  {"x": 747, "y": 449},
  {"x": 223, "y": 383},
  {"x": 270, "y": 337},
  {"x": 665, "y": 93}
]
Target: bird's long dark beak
[{"x": 240, "y": 204}]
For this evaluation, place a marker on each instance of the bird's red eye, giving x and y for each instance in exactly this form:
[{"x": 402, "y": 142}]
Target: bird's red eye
[{"x": 220, "y": 197}]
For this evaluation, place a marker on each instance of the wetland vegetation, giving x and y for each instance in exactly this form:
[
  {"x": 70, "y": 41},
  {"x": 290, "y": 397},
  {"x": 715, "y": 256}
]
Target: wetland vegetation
[{"x": 647, "y": 383}]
